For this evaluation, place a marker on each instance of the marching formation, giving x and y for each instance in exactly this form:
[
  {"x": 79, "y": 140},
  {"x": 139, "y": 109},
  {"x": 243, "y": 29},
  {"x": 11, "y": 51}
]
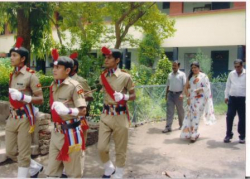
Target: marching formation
[{"x": 69, "y": 97}]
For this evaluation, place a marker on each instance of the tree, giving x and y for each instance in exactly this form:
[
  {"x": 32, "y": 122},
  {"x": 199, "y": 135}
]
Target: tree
[
  {"x": 149, "y": 49},
  {"x": 31, "y": 21},
  {"x": 143, "y": 16},
  {"x": 204, "y": 61},
  {"x": 164, "y": 67},
  {"x": 84, "y": 21}
]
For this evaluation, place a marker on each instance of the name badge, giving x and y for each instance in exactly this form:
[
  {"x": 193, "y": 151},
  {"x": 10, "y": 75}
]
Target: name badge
[{"x": 63, "y": 99}]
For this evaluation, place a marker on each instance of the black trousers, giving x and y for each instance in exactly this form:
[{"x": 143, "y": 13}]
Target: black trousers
[{"x": 236, "y": 104}]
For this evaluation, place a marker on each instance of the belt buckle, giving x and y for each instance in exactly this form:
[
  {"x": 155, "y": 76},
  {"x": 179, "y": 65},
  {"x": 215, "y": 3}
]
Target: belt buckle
[
  {"x": 111, "y": 108},
  {"x": 58, "y": 126},
  {"x": 13, "y": 112}
]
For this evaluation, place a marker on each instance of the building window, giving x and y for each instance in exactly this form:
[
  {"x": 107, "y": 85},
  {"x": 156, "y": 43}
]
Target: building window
[
  {"x": 170, "y": 55},
  {"x": 220, "y": 5},
  {"x": 206, "y": 7},
  {"x": 220, "y": 62},
  {"x": 165, "y": 5}
]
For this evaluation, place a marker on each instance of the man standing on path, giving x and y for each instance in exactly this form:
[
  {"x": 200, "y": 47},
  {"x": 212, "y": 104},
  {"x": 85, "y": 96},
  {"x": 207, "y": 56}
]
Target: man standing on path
[
  {"x": 174, "y": 95},
  {"x": 235, "y": 98},
  {"x": 116, "y": 84},
  {"x": 24, "y": 91}
]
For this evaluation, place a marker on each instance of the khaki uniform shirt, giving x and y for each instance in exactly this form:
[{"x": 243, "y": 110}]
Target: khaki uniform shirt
[
  {"x": 119, "y": 81},
  {"x": 70, "y": 90},
  {"x": 25, "y": 79},
  {"x": 84, "y": 84}
]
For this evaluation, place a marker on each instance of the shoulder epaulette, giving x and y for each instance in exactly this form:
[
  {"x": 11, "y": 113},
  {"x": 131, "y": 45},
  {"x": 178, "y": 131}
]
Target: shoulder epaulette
[
  {"x": 29, "y": 70},
  {"x": 74, "y": 82},
  {"x": 124, "y": 71}
]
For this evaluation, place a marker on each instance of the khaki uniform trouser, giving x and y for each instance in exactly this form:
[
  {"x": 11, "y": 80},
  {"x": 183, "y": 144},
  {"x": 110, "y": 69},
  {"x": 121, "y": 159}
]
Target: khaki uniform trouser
[
  {"x": 73, "y": 168},
  {"x": 18, "y": 141},
  {"x": 85, "y": 134},
  {"x": 118, "y": 126}
]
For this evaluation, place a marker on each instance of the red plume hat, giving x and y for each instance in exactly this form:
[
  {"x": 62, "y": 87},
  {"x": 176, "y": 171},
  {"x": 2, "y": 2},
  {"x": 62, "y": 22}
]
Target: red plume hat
[
  {"x": 19, "y": 49},
  {"x": 55, "y": 56},
  {"x": 74, "y": 55},
  {"x": 114, "y": 52}
]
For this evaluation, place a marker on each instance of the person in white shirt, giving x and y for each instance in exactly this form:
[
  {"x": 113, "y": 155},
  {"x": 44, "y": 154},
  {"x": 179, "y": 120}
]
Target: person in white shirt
[
  {"x": 235, "y": 98},
  {"x": 174, "y": 96}
]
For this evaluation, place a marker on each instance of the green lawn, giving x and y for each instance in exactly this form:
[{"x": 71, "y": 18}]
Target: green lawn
[{"x": 220, "y": 109}]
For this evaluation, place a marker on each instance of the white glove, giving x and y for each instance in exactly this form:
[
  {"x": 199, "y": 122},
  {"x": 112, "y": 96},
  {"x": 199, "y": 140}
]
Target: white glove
[
  {"x": 74, "y": 111},
  {"x": 18, "y": 96},
  {"x": 119, "y": 96},
  {"x": 62, "y": 110}
]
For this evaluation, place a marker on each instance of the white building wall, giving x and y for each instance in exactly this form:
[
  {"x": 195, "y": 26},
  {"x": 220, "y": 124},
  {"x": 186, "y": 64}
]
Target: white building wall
[
  {"x": 6, "y": 42},
  {"x": 209, "y": 29},
  {"x": 207, "y": 51}
]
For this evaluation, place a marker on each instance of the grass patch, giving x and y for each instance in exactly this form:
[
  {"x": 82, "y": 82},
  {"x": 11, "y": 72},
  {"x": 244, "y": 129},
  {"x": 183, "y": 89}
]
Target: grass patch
[{"x": 220, "y": 108}]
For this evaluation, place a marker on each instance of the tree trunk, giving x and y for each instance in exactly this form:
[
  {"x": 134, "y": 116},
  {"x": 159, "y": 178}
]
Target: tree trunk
[
  {"x": 23, "y": 29},
  {"x": 118, "y": 43}
]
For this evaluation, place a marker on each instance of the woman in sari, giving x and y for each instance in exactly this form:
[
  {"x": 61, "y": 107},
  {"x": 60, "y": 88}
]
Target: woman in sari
[{"x": 199, "y": 102}]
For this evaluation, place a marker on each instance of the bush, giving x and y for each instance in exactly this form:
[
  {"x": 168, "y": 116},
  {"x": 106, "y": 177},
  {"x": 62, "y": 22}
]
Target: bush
[
  {"x": 220, "y": 78},
  {"x": 90, "y": 68},
  {"x": 141, "y": 74},
  {"x": 5, "y": 70},
  {"x": 45, "y": 81},
  {"x": 164, "y": 67},
  {"x": 205, "y": 63},
  {"x": 149, "y": 105},
  {"x": 149, "y": 49}
]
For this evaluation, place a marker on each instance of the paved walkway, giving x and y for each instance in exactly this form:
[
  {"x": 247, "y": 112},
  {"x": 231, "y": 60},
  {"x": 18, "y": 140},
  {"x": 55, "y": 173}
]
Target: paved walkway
[{"x": 152, "y": 154}]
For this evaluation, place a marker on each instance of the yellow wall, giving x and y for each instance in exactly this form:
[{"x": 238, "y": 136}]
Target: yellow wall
[
  {"x": 6, "y": 42},
  {"x": 209, "y": 29}
]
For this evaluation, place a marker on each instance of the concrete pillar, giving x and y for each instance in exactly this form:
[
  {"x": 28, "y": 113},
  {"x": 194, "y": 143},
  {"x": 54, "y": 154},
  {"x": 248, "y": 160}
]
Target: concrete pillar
[{"x": 175, "y": 53}]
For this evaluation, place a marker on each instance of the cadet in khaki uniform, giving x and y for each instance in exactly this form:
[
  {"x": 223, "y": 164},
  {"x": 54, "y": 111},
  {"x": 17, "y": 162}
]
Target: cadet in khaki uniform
[
  {"x": 86, "y": 89},
  {"x": 67, "y": 103},
  {"x": 88, "y": 97},
  {"x": 81, "y": 80},
  {"x": 116, "y": 84},
  {"x": 24, "y": 91}
]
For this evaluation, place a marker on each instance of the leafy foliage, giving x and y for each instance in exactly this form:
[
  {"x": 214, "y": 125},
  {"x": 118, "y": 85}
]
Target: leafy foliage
[
  {"x": 5, "y": 71},
  {"x": 45, "y": 81},
  {"x": 163, "y": 68},
  {"x": 84, "y": 21},
  {"x": 141, "y": 74},
  {"x": 205, "y": 63},
  {"x": 149, "y": 49},
  {"x": 144, "y": 16},
  {"x": 220, "y": 78},
  {"x": 38, "y": 15},
  {"x": 90, "y": 68}
]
